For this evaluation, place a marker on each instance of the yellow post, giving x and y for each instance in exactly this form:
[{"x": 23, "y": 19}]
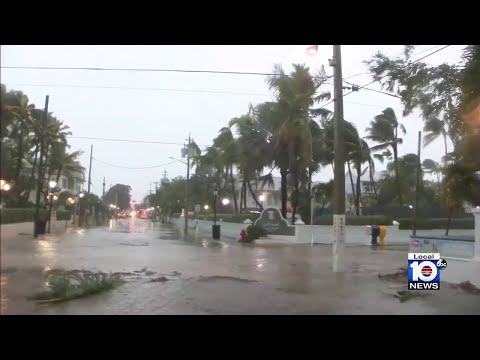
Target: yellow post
[{"x": 383, "y": 234}]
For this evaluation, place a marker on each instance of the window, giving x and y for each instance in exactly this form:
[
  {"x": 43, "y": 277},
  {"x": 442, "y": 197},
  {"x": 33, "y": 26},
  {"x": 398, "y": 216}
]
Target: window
[{"x": 64, "y": 183}]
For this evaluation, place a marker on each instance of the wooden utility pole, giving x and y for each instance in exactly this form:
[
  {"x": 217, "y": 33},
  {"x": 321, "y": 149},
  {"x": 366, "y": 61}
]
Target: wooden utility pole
[
  {"x": 40, "y": 172},
  {"x": 339, "y": 161},
  {"x": 417, "y": 185}
]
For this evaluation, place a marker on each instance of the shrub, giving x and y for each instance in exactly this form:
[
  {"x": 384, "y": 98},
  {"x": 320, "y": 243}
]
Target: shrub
[
  {"x": 64, "y": 215},
  {"x": 10, "y": 215},
  {"x": 428, "y": 224},
  {"x": 232, "y": 218},
  {"x": 255, "y": 232}
]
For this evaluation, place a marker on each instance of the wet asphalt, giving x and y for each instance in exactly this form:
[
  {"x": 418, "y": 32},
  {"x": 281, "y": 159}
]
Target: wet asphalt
[{"x": 166, "y": 272}]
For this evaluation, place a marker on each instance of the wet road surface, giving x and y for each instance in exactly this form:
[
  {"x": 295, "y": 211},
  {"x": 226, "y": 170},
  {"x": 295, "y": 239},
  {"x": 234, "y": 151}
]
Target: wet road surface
[{"x": 166, "y": 273}]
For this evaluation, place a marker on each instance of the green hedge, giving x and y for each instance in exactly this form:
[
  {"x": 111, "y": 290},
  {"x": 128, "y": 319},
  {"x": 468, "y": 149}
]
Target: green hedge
[
  {"x": 11, "y": 215},
  {"x": 428, "y": 224},
  {"x": 64, "y": 215}
]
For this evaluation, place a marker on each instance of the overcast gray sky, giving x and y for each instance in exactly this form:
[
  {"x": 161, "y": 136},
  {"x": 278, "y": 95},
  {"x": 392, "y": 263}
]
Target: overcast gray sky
[{"x": 182, "y": 102}]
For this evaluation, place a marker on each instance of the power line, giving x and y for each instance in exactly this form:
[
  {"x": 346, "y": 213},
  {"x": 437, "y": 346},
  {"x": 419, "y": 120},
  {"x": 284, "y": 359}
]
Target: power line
[
  {"x": 378, "y": 91},
  {"x": 138, "y": 70},
  {"x": 416, "y": 53},
  {"x": 134, "y": 168},
  {"x": 371, "y": 82},
  {"x": 136, "y": 88},
  {"x": 131, "y": 141}
]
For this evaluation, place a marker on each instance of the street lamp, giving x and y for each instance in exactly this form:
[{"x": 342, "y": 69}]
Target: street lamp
[
  {"x": 51, "y": 187},
  {"x": 261, "y": 198},
  {"x": 339, "y": 159},
  {"x": 215, "y": 227},
  {"x": 225, "y": 202},
  {"x": 80, "y": 196},
  {"x": 206, "y": 207}
]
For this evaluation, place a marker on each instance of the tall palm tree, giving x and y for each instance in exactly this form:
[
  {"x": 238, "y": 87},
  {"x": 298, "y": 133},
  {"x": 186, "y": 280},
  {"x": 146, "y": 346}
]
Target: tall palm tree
[
  {"x": 384, "y": 130},
  {"x": 295, "y": 95},
  {"x": 228, "y": 147},
  {"x": 434, "y": 128}
]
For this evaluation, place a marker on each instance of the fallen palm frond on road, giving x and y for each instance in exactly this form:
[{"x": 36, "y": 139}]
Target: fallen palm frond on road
[{"x": 69, "y": 285}]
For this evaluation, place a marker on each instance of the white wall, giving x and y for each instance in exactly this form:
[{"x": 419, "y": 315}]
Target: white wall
[{"x": 322, "y": 234}]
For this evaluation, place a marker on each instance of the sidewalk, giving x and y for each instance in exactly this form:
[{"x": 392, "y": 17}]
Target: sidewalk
[{"x": 10, "y": 231}]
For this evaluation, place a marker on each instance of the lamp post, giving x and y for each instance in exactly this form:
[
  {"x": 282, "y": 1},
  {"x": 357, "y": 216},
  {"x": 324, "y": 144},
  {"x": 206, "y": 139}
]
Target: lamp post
[
  {"x": 51, "y": 188},
  {"x": 261, "y": 198},
  {"x": 80, "y": 197},
  {"x": 215, "y": 227},
  {"x": 5, "y": 187},
  {"x": 339, "y": 159}
]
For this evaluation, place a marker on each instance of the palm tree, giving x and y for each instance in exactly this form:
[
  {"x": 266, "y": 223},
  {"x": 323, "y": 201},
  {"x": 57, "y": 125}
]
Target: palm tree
[
  {"x": 295, "y": 95},
  {"x": 228, "y": 147},
  {"x": 432, "y": 167},
  {"x": 253, "y": 151},
  {"x": 434, "y": 128},
  {"x": 384, "y": 130}
]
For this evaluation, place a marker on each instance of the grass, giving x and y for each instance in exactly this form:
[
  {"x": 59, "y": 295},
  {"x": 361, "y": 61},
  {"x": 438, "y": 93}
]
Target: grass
[{"x": 69, "y": 285}]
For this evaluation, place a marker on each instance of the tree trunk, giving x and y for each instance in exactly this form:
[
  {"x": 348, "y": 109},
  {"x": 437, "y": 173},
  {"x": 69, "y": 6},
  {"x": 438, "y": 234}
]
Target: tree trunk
[
  {"x": 397, "y": 178},
  {"x": 59, "y": 173},
  {"x": 253, "y": 195},
  {"x": 232, "y": 181},
  {"x": 283, "y": 190},
  {"x": 245, "y": 194},
  {"x": 372, "y": 180},
  {"x": 18, "y": 169},
  {"x": 351, "y": 180},
  {"x": 225, "y": 181},
  {"x": 449, "y": 220},
  {"x": 359, "y": 190},
  {"x": 295, "y": 198},
  {"x": 32, "y": 174},
  {"x": 241, "y": 195},
  {"x": 446, "y": 150},
  {"x": 309, "y": 186}
]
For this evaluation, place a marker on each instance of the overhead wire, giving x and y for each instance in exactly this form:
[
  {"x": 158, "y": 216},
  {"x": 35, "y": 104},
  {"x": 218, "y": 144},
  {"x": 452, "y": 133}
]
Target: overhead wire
[
  {"x": 371, "y": 82},
  {"x": 134, "y": 168}
]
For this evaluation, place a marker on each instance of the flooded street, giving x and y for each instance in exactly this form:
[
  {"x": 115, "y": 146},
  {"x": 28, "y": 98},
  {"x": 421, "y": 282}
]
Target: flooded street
[{"x": 166, "y": 273}]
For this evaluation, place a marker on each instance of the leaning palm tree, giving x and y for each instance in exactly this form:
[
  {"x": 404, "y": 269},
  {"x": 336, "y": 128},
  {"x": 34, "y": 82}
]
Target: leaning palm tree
[
  {"x": 432, "y": 167},
  {"x": 434, "y": 128},
  {"x": 384, "y": 130},
  {"x": 226, "y": 143}
]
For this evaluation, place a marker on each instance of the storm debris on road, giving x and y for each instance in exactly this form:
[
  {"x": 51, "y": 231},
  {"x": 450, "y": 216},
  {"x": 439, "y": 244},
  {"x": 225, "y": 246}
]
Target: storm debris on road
[{"x": 69, "y": 285}]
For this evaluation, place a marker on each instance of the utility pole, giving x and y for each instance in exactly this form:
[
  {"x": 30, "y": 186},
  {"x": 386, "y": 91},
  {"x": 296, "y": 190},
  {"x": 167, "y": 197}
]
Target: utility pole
[
  {"x": 164, "y": 174},
  {"x": 40, "y": 173},
  {"x": 186, "y": 184},
  {"x": 417, "y": 185},
  {"x": 103, "y": 193},
  {"x": 90, "y": 169},
  {"x": 339, "y": 164}
]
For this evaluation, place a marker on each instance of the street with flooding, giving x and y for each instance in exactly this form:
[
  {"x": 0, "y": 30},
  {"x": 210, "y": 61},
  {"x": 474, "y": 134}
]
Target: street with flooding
[{"x": 166, "y": 272}]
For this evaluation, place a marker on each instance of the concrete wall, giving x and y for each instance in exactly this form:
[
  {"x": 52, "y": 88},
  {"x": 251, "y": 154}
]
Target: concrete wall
[
  {"x": 230, "y": 230},
  {"x": 322, "y": 234}
]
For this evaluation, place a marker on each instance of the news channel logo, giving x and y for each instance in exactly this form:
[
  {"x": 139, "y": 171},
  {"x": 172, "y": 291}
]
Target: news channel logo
[{"x": 424, "y": 271}]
